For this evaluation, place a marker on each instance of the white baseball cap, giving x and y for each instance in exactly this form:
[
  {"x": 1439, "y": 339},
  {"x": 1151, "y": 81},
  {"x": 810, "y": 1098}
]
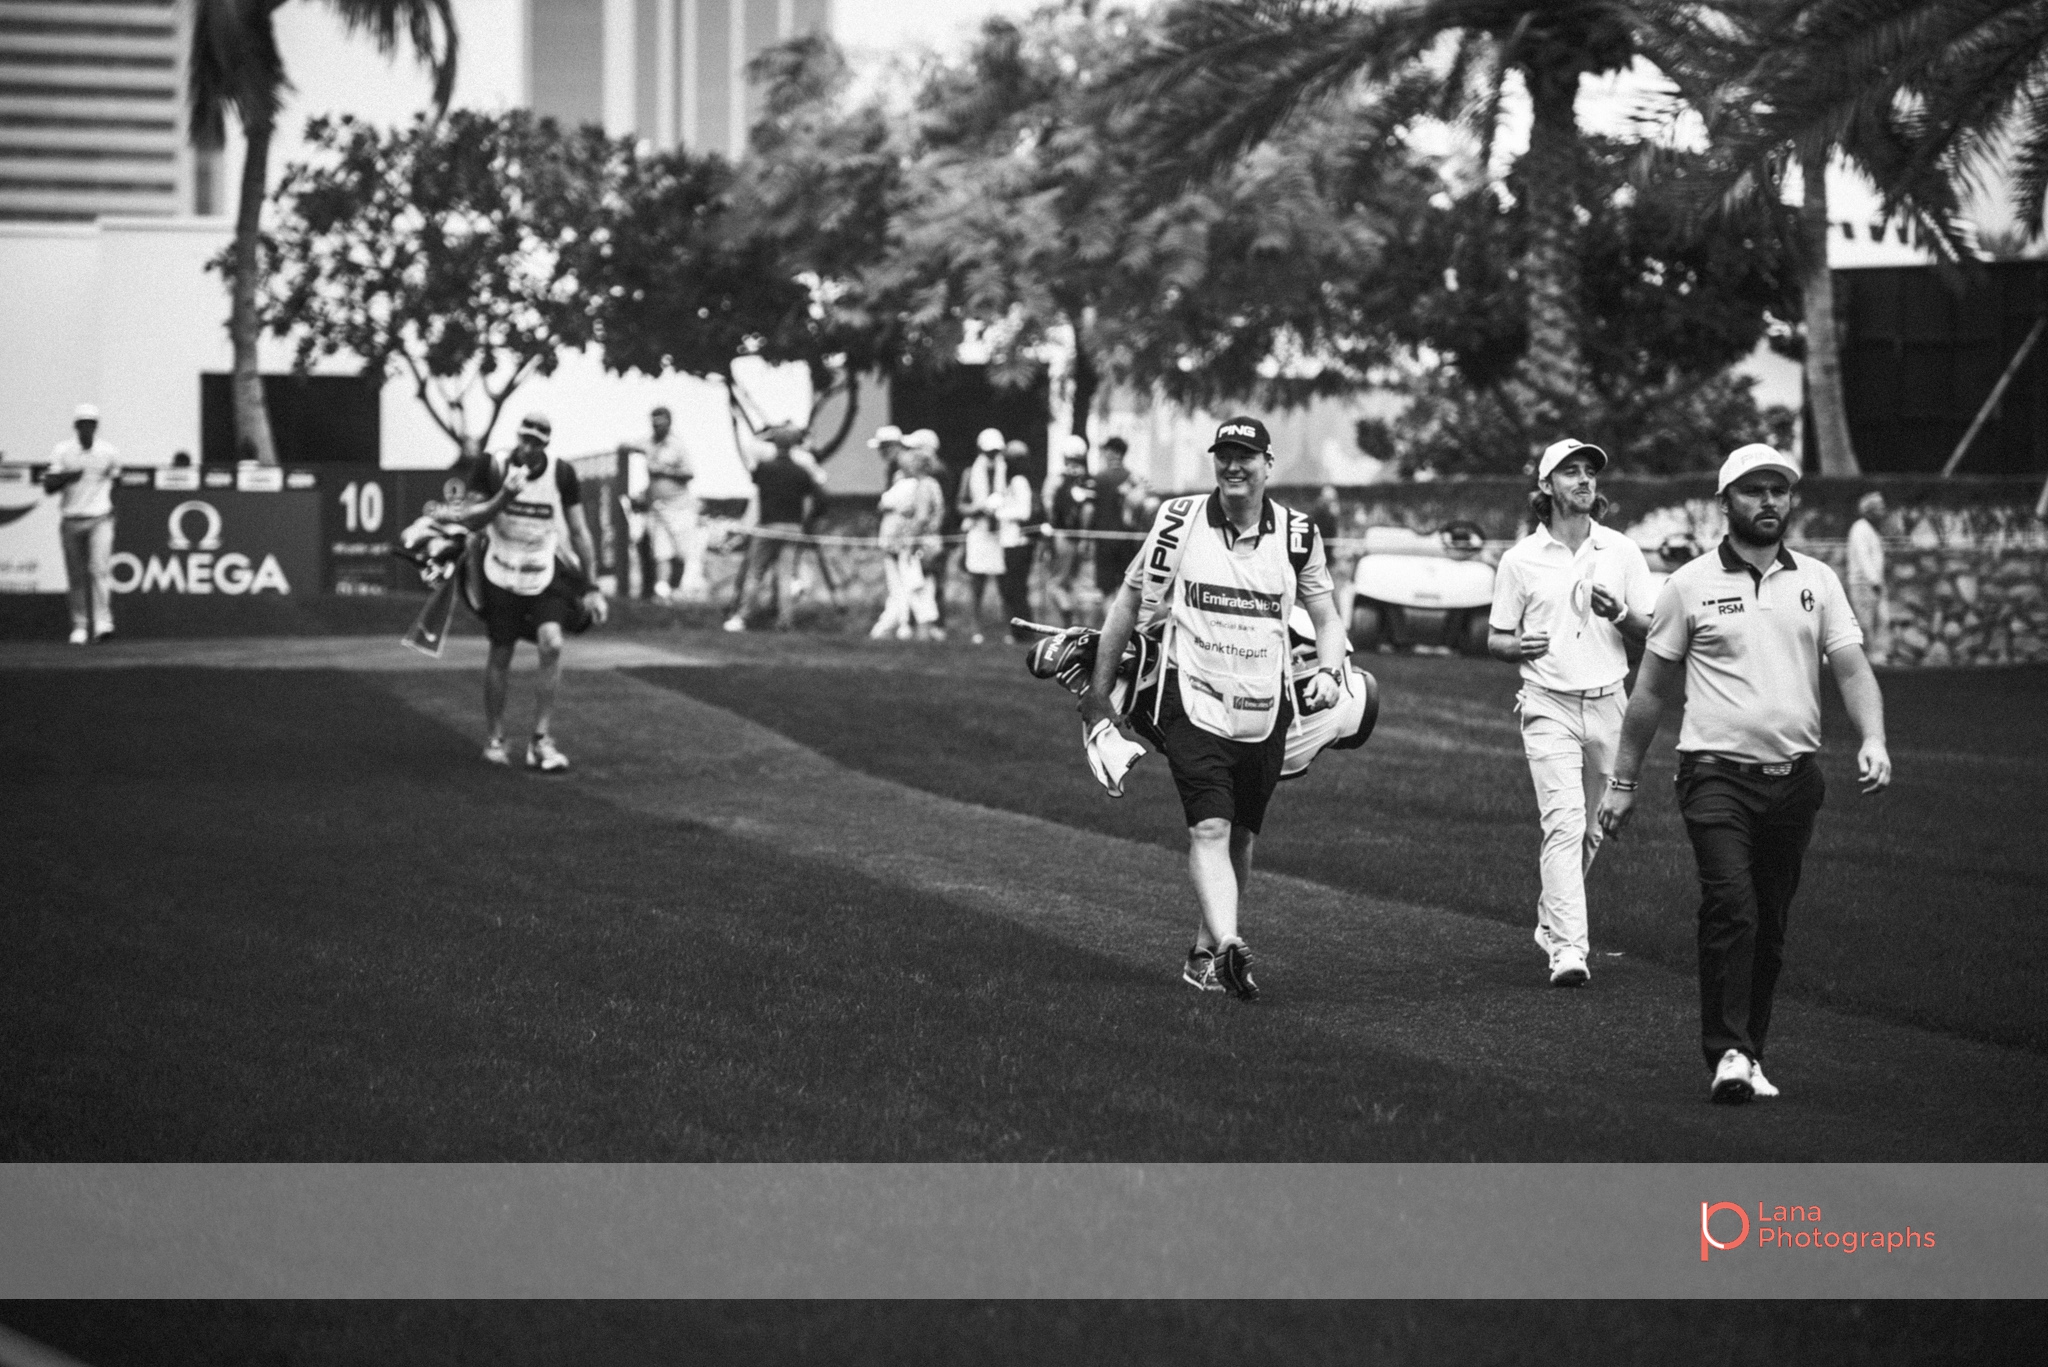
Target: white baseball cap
[
  {"x": 1756, "y": 456},
  {"x": 1557, "y": 452},
  {"x": 887, "y": 436},
  {"x": 989, "y": 440},
  {"x": 1073, "y": 446},
  {"x": 85, "y": 412},
  {"x": 924, "y": 439}
]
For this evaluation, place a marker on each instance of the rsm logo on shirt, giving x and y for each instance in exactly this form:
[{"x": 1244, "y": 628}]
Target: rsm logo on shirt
[{"x": 1723, "y": 605}]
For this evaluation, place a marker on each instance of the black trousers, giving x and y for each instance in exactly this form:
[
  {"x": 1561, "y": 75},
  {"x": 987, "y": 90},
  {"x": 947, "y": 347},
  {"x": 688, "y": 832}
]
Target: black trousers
[
  {"x": 1749, "y": 835},
  {"x": 1015, "y": 584}
]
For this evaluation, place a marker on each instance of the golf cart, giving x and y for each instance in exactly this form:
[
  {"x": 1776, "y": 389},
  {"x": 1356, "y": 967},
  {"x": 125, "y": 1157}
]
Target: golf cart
[{"x": 1422, "y": 589}]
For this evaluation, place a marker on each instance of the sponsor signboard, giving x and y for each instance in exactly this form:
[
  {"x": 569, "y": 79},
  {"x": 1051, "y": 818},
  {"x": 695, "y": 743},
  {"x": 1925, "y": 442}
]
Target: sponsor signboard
[
  {"x": 360, "y": 518},
  {"x": 31, "y": 553},
  {"x": 216, "y": 541}
]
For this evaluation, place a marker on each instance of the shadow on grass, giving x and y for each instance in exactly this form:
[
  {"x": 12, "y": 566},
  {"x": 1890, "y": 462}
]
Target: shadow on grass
[
  {"x": 276, "y": 916},
  {"x": 1920, "y": 907}
]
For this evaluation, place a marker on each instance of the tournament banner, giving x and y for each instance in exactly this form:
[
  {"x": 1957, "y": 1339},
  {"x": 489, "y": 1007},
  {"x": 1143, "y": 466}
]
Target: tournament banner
[
  {"x": 31, "y": 552},
  {"x": 360, "y": 519},
  {"x": 216, "y": 539}
]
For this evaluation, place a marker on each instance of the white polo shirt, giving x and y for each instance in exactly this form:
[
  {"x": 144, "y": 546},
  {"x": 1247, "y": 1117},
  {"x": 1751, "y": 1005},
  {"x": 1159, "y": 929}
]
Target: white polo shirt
[
  {"x": 92, "y": 493},
  {"x": 1752, "y": 645},
  {"x": 1542, "y": 585}
]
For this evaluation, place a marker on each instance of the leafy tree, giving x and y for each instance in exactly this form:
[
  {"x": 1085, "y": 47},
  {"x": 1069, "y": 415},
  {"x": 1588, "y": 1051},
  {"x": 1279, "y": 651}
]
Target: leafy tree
[
  {"x": 706, "y": 263},
  {"x": 1224, "y": 76},
  {"x": 458, "y": 252},
  {"x": 1667, "y": 311},
  {"x": 1030, "y": 215},
  {"x": 235, "y": 66}
]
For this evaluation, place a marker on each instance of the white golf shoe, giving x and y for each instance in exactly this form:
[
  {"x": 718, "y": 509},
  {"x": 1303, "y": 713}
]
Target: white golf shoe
[{"x": 1734, "y": 1079}]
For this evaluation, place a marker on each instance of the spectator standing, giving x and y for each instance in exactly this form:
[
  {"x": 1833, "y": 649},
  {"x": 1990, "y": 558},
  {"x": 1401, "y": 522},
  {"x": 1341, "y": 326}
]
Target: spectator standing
[
  {"x": 1866, "y": 576},
  {"x": 921, "y": 453},
  {"x": 887, "y": 444},
  {"x": 1072, "y": 510},
  {"x": 672, "y": 511},
  {"x": 986, "y": 495},
  {"x": 1119, "y": 507},
  {"x": 1017, "y": 518},
  {"x": 82, "y": 474},
  {"x": 788, "y": 490},
  {"x": 912, "y": 508}
]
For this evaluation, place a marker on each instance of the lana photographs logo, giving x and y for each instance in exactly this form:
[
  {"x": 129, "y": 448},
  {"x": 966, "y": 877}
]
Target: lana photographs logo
[
  {"x": 193, "y": 539},
  {"x": 1796, "y": 1227}
]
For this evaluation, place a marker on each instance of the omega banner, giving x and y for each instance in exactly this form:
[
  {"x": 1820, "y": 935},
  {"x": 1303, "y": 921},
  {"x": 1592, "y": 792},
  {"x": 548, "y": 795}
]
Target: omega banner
[{"x": 217, "y": 541}]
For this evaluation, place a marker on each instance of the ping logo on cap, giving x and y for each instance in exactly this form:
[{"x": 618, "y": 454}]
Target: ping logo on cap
[{"x": 1242, "y": 431}]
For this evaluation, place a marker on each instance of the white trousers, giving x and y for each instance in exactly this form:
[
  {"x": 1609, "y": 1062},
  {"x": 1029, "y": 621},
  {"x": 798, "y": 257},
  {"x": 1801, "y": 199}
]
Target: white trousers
[
  {"x": 1570, "y": 742},
  {"x": 88, "y": 550},
  {"x": 910, "y": 594},
  {"x": 673, "y": 530}
]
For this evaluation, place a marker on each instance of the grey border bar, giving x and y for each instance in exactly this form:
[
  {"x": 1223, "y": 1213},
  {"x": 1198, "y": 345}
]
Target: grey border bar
[{"x": 1006, "y": 1230}]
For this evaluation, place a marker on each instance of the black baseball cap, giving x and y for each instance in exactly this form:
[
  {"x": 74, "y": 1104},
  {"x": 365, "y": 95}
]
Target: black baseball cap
[{"x": 1249, "y": 433}]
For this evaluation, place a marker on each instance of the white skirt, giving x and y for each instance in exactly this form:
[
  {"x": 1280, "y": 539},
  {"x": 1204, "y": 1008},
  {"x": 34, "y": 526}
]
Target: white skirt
[{"x": 984, "y": 547}]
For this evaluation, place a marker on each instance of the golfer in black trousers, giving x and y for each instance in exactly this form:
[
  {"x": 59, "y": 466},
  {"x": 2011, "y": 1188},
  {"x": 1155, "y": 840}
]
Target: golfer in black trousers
[{"x": 1750, "y": 623}]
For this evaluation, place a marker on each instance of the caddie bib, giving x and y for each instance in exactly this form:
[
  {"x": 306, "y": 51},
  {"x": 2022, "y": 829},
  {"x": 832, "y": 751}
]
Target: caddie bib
[
  {"x": 524, "y": 534},
  {"x": 1227, "y": 629}
]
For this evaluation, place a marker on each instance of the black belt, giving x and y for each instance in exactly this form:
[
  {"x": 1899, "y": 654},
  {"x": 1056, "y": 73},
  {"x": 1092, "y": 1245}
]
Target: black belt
[{"x": 1783, "y": 769}]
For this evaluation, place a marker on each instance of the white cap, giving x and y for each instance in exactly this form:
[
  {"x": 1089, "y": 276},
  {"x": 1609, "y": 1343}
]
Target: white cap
[
  {"x": 924, "y": 439},
  {"x": 85, "y": 412},
  {"x": 886, "y": 435},
  {"x": 1073, "y": 446},
  {"x": 989, "y": 440},
  {"x": 1745, "y": 460},
  {"x": 537, "y": 423},
  {"x": 1555, "y": 454}
]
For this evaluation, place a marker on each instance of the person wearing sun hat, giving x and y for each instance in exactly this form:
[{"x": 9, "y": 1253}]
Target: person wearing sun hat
[{"x": 1741, "y": 634}]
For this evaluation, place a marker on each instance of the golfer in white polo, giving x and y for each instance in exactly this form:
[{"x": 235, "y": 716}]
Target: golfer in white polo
[{"x": 1564, "y": 598}]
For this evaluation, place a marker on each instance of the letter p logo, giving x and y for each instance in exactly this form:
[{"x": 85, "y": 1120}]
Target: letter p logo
[{"x": 1707, "y": 1239}]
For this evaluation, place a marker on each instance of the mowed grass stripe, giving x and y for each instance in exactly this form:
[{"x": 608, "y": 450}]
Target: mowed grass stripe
[
  {"x": 1353, "y": 977},
  {"x": 277, "y": 916},
  {"x": 1920, "y": 907}
]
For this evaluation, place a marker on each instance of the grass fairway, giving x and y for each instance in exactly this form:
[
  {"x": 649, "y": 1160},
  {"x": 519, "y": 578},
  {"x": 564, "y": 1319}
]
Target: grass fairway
[
  {"x": 289, "y": 915},
  {"x": 1921, "y": 907},
  {"x": 277, "y": 916}
]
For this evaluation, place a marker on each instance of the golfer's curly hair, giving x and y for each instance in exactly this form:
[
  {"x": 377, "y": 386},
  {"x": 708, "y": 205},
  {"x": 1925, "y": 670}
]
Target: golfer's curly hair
[{"x": 1541, "y": 505}]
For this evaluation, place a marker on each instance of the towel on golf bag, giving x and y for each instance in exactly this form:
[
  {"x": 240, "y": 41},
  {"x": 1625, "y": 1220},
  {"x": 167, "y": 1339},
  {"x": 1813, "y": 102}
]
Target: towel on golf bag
[{"x": 1067, "y": 656}]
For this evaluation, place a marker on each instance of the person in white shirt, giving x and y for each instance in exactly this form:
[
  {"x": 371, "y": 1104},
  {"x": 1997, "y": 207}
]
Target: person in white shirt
[
  {"x": 1566, "y": 598},
  {"x": 672, "y": 512},
  {"x": 1741, "y": 634},
  {"x": 82, "y": 474},
  {"x": 1866, "y": 576},
  {"x": 995, "y": 503}
]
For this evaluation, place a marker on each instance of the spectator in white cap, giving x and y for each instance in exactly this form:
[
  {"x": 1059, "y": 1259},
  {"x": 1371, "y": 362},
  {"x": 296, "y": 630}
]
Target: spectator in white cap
[
  {"x": 1741, "y": 633},
  {"x": 82, "y": 474},
  {"x": 1071, "y": 510},
  {"x": 995, "y": 502},
  {"x": 913, "y": 507},
  {"x": 1567, "y": 598},
  {"x": 887, "y": 443}
]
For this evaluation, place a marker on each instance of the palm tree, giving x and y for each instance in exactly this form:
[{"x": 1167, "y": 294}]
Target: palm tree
[
  {"x": 235, "y": 66},
  {"x": 1796, "y": 89},
  {"x": 1964, "y": 83},
  {"x": 1224, "y": 75}
]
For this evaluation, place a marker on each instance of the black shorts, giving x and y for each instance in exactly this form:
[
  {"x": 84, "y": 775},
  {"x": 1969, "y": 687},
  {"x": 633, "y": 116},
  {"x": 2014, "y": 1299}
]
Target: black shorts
[
  {"x": 513, "y": 617},
  {"x": 1215, "y": 776}
]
